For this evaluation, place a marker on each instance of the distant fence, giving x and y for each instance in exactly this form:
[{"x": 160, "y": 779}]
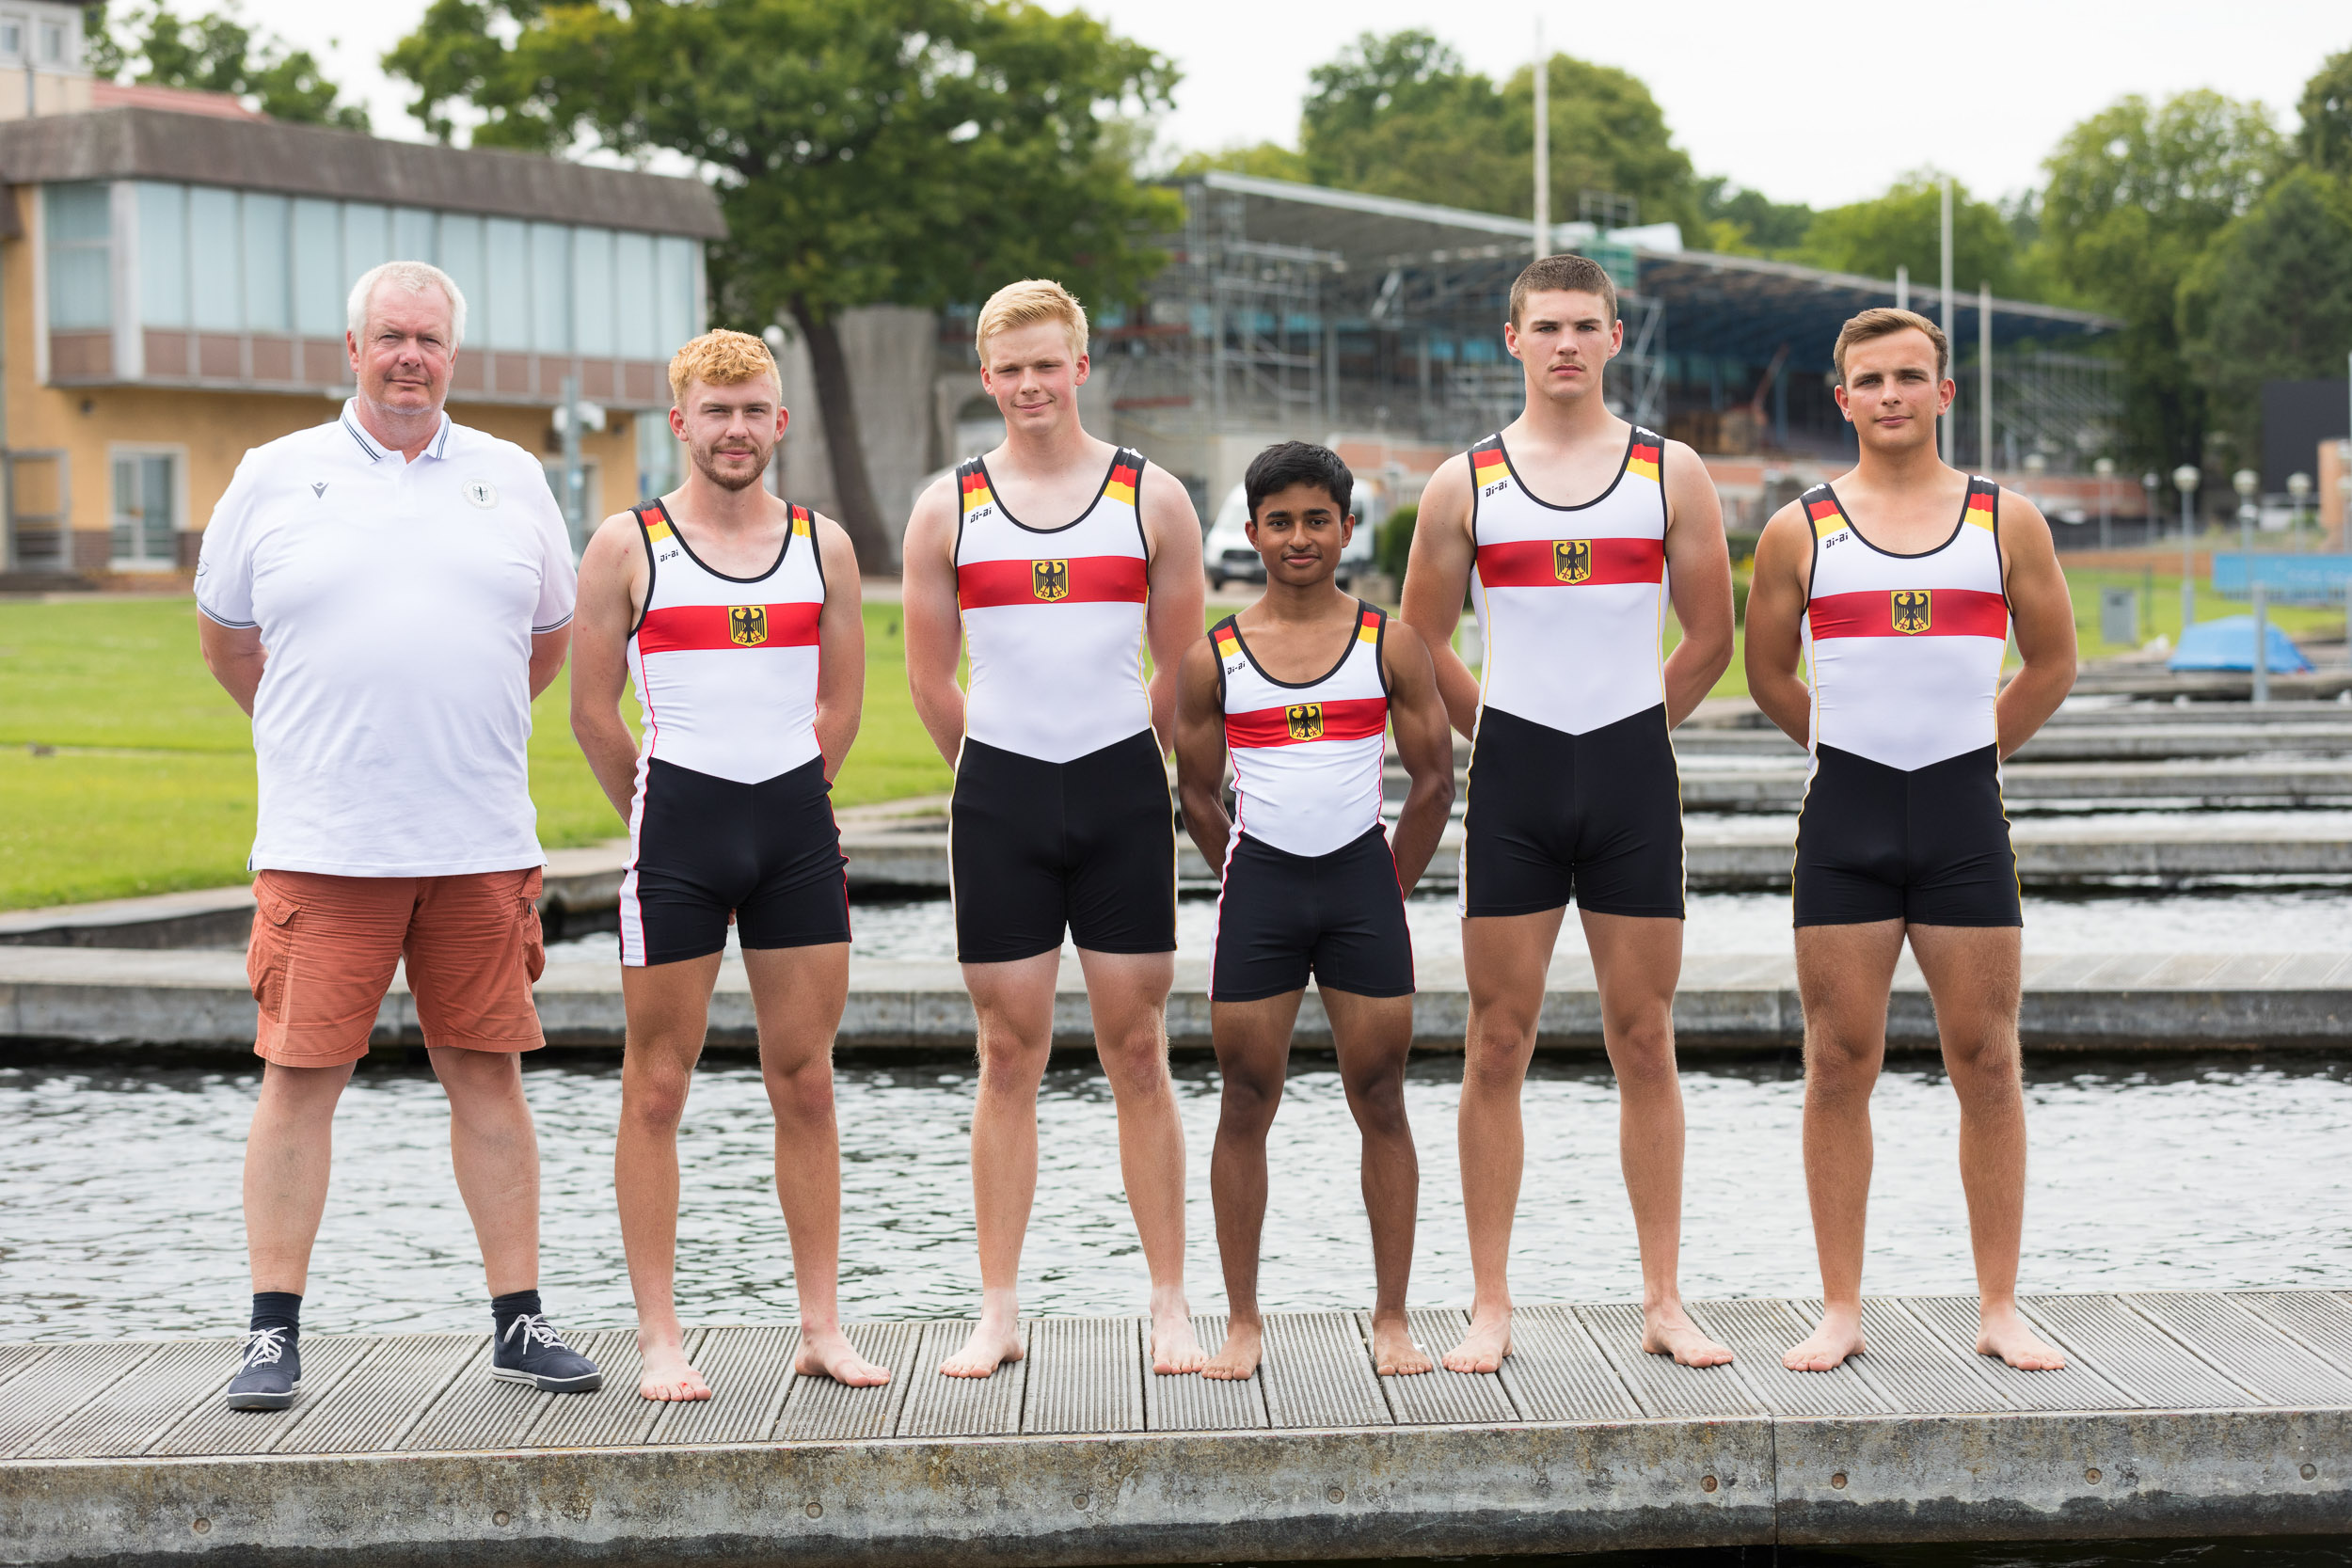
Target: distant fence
[{"x": 2309, "y": 579}]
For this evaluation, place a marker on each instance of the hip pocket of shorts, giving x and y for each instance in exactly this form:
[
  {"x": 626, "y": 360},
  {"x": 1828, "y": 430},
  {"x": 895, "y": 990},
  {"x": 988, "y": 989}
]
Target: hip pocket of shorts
[
  {"x": 270, "y": 949},
  {"x": 526, "y": 918}
]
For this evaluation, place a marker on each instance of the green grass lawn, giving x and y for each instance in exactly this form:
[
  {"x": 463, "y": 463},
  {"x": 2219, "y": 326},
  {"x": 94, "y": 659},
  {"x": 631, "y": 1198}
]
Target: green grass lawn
[
  {"x": 148, "y": 788},
  {"x": 151, "y": 787}
]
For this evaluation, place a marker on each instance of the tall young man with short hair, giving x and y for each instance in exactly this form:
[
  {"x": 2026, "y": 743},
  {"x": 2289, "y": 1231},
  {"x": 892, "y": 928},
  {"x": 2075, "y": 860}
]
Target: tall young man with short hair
[
  {"x": 1900, "y": 586},
  {"x": 1054, "y": 561},
  {"x": 737, "y": 613},
  {"x": 385, "y": 593},
  {"x": 1300, "y": 688},
  {"x": 1571, "y": 530}
]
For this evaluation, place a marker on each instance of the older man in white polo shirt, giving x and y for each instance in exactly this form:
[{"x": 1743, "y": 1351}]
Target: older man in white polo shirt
[{"x": 385, "y": 593}]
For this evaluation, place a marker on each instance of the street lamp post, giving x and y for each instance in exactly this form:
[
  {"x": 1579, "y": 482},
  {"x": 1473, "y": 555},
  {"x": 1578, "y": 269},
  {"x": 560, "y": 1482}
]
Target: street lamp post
[
  {"x": 2151, "y": 483},
  {"x": 2105, "y": 469},
  {"x": 2299, "y": 490},
  {"x": 2184, "y": 480},
  {"x": 2245, "y": 481}
]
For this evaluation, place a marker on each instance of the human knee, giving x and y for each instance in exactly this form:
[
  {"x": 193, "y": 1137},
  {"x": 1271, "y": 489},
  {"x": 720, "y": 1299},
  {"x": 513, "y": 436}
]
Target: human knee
[
  {"x": 1248, "y": 1100},
  {"x": 654, "y": 1099},
  {"x": 801, "y": 1093},
  {"x": 1983, "y": 1061},
  {"x": 1136, "y": 1065},
  {"x": 1641, "y": 1051},
  {"x": 1378, "y": 1100}
]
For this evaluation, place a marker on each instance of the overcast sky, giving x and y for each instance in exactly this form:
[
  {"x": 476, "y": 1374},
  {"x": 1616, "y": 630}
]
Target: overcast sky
[{"x": 1802, "y": 101}]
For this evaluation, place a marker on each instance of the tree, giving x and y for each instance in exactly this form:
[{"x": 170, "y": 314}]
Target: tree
[
  {"x": 1905, "y": 228},
  {"x": 2136, "y": 194},
  {"x": 216, "y": 53},
  {"x": 1398, "y": 115},
  {"x": 1748, "y": 223},
  {"x": 2326, "y": 142},
  {"x": 1267, "y": 161},
  {"x": 866, "y": 151},
  {"x": 2271, "y": 299}
]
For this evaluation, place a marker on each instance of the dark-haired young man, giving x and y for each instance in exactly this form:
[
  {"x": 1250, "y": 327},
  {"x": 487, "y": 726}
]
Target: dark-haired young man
[
  {"x": 1300, "y": 688},
  {"x": 1903, "y": 835},
  {"x": 1571, "y": 529}
]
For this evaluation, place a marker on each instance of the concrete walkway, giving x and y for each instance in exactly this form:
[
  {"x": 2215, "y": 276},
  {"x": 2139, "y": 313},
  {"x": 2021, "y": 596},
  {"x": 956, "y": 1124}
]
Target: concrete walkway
[{"x": 2181, "y": 1413}]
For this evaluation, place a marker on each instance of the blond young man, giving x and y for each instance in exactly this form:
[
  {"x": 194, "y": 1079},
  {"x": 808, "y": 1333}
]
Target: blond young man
[
  {"x": 1572, "y": 528},
  {"x": 385, "y": 593},
  {"x": 737, "y": 614},
  {"x": 1899, "y": 585},
  {"x": 1055, "y": 560}
]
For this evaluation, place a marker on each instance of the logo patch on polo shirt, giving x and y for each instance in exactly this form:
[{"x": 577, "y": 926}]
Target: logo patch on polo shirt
[{"x": 482, "y": 495}]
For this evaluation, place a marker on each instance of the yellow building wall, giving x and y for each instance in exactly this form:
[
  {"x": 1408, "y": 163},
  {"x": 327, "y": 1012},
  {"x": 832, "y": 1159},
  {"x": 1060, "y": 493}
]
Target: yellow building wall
[{"x": 212, "y": 430}]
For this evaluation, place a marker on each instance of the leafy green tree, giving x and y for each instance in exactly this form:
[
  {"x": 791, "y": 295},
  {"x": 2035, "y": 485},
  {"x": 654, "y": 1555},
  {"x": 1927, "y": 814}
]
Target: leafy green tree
[
  {"x": 216, "y": 52},
  {"x": 1749, "y": 223},
  {"x": 2135, "y": 193},
  {"x": 2325, "y": 142},
  {"x": 1399, "y": 115},
  {"x": 866, "y": 151},
  {"x": 2271, "y": 299},
  {"x": 1905, "y": 228},
  {"x": 1267, "y": 160}
]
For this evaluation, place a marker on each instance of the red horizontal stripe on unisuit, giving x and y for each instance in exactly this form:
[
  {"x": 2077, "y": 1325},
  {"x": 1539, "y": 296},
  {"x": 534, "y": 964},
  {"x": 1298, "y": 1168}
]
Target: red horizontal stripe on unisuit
[
  {"x": 1051, "y": 579},
  {"x": 1875, "y": 612},
  {"x": 1570, "y": 563},
  {"x": 677, "y": 627},
  {"x": 1294, "y": 724}
]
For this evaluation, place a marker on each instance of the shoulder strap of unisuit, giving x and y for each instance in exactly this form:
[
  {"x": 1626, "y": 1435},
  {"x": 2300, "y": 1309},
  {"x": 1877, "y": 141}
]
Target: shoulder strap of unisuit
[
  {"x": 1984, "y": 504},
  {"x": 1645, "y": 454},
  {"x": 1372, "y": 625},
  {"x": 655, "y": 519},
  {"x": 1225, "y": 639}
]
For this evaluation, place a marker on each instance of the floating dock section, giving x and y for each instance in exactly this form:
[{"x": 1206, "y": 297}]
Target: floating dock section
[{"x": 2180, "y": 1415}]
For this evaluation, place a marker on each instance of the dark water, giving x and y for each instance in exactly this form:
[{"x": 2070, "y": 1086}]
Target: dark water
[
  {"x": 2283, "y": 1552},
  {"x": 119, "y": 1189}
]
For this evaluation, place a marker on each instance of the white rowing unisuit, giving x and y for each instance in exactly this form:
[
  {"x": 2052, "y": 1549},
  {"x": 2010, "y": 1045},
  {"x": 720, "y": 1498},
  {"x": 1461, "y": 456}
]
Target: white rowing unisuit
[
  {"x": 1306, "y": 755},
  {"x": 397, "y": 601}
]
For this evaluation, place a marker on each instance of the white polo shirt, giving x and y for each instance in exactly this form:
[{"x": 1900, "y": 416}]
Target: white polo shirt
[{"x": 397, "y": 601}]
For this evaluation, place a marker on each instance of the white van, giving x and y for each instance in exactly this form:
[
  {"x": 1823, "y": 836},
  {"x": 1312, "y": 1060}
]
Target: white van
[{"x": 1228, "y": 556}]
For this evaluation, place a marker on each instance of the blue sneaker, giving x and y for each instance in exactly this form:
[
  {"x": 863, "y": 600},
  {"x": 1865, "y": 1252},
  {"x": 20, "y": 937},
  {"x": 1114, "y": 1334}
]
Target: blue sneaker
[
  {"x": 531, "y": 1350},
  {"x": 272, "y": 1372}
]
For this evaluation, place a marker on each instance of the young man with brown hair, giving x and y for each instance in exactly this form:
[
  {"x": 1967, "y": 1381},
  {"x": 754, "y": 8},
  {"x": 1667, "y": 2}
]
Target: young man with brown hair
[
  {"x": 1310, "y": 883},
  {"x": 1571, "y": 529},
  {"x": 1899, "y": 585},
  {"x": 1055, "y": 560},
  {"x": 737, "y": 615}
]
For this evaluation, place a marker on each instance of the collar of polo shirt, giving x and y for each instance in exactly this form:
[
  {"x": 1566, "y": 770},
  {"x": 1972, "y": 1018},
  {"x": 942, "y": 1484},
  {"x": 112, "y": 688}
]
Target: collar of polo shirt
[{"x": 376, "y": 451}]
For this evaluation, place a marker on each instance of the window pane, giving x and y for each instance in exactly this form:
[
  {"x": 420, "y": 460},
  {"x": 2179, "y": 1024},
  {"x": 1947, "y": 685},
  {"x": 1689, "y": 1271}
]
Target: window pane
[
  {"x": 412, "y": 235},
  {"x": 680, "y": 260},
  {"x": 214, "y": 295},
  {"x": 163, "y": 254},
  {"x": 268, "y": 260},
  {"x": 320, "y": 283},
  {"x": 550, "y": 288},
  {"x": 592, "y": 291},
  {"x": 81, "y": 286},
  {"x": 507, "y": 314},
  {"x": 633, "y": 299},
  {"x": 126, "y": 517},
  {"x": 461, "y": 257},
  {"x": 367, "y": 239}
]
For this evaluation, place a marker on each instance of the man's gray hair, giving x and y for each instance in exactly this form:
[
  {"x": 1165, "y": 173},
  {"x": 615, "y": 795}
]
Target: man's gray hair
[{"x": 415, "y": 278}]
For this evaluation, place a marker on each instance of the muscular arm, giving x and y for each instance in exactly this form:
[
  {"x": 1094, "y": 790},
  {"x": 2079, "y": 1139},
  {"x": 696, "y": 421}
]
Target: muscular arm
[
  {"x": 1200, "y": 721},
  {"x": 611, "y": 585},
  {"x": 934, "y": 627},
  {"x": 840, "y": 647},
  {"x": 2042, "y": 619},
  {"x": 1784, "y": 554},
  {"x": 235, "y": 655},
  {"x": 1698, "y": 574},
  {"x": 1437, "y": 579},
  {"x": 1425, "y": 745},
  {"x": 1171, "y": 621}
]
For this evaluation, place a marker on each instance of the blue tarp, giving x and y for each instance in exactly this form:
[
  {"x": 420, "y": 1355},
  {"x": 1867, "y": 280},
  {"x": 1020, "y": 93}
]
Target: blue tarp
[{"x": 2229, "y": 644}]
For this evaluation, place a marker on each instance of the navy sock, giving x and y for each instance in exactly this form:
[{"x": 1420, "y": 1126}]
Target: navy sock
[
  {"x": 514, "y": 1304},
  {"x": 277, "y": 1309}
]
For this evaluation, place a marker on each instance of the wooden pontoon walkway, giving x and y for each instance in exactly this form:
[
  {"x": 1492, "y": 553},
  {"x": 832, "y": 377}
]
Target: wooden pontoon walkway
[{"x": 2182, "y": 1414}]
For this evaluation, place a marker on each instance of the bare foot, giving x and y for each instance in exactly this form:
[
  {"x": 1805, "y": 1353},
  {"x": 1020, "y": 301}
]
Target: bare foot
[
  {"x": 667, "y": 1373},
  {"x": 1827, "y": 1347},
  {"x": 1484, "y": 1347},
  {"x": 1394, "y": 1350},
  {"x": 1667, "y": 1330},
  {"x": 992, "y": 1344},
  {"x": 1237, "y": 1359},
  {"x": 831, "y": 1355},
  {"x": 1173, "y": 1348},
  {"x": 2003, "y": 1333}
]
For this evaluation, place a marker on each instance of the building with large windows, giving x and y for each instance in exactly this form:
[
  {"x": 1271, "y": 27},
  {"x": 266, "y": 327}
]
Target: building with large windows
[{"x": 173, "y": 292}]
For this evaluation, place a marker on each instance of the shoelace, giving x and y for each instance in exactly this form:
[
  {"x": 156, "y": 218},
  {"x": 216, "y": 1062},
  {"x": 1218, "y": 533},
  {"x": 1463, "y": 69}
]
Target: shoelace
[
  {"x": 535, "y": 1330},
  {"x": 264, "y": 1347}
]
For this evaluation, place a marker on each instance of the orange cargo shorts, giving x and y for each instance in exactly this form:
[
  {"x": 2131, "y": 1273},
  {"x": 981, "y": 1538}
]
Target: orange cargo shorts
[{"x": 324, "y": 949}]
